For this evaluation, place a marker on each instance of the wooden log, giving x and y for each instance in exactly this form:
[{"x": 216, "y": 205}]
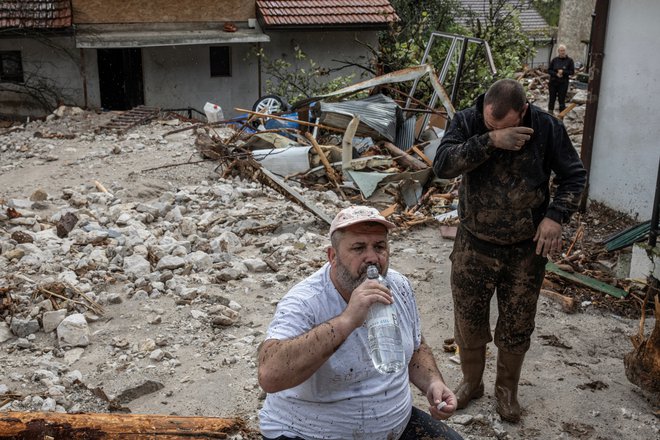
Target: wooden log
[
  {"x": 404, "y": 158},
  {"x": 115, "y": 426},
  {"x": 567, "y": 303},
  {"x": 332, "y": 175}
]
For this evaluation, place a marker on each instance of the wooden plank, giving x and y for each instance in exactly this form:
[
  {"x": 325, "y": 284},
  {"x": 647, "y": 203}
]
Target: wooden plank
[
  {"x": 115, "y": 426},
  {"x": 282, "y": 118},
  {"x": 404, "y": 158},
  {"x": 421, "y": 154},
  {"x": 587, "y": 281},
  {"x": 564, "y": 112},
  {"x": 567, "y": 303}
]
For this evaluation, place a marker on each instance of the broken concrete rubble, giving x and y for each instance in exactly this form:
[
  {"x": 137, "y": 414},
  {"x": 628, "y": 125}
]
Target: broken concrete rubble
[{"x": 243, "y": 243}]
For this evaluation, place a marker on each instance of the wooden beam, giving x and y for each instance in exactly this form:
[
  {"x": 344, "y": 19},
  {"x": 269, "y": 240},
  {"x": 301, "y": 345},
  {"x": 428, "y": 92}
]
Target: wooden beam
[
  {"x": 332, "y": 175},
  {"x": 404, "y": 158},
  {"x": 421, "y": 154},
  {"x": 568, "y": 108},
  {"x": 567, "y": 303},
  {"x": 115, "y": 426},
  {"x": 297, "y": 121}
]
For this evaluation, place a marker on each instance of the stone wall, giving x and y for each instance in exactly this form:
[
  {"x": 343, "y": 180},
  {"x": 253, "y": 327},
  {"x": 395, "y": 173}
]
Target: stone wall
[{"x": 575, "y": 28}]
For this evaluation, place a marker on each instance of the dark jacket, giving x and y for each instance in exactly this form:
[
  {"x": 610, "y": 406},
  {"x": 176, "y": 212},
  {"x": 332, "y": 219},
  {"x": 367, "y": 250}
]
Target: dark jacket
[
  {"x": 504, "y": 195},
  {"x": 566, "y": 64}
]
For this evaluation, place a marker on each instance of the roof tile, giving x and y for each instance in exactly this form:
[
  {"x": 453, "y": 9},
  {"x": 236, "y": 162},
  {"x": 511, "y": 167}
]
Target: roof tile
[
  {"x": 325, "y": 12},
  {"x": 35, "y": 14}
]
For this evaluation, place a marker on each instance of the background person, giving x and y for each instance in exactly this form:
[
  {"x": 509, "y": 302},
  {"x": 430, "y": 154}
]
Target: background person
[
  {"x": 315, "y": 363},
  {"x": 560, "y": 69},
  {"x": 505, "y": 149}
]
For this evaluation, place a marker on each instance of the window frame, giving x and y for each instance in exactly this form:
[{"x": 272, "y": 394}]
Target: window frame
[
  {"x": 16, "y": 57},
  {"x": 220, "y": 61}
]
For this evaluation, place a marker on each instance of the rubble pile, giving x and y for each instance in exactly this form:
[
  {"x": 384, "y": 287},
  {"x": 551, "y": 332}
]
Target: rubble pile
[
  {"x": 68, "y": 257},
  {"x": 122, "y": 278}
]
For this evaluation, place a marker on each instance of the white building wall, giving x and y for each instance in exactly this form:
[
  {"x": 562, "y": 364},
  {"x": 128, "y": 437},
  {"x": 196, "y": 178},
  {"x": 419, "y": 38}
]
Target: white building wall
[
  {"x": 52, "y": 65},
  {"x": 627, "y": 137},
  {"x": 180, "y": 76},
  {"x": 324, "y": 47},
  {"x": 177, "y": 77}
]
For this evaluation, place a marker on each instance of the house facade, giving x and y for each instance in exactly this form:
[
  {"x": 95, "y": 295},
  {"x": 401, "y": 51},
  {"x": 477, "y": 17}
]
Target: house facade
[
  {"x": 115, "y": 55},
  {"x": 625, "y": 150}
]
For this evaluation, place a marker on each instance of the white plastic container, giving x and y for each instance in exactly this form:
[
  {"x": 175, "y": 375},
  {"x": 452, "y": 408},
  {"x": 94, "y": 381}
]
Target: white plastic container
[{"x": 213, "y": 112}]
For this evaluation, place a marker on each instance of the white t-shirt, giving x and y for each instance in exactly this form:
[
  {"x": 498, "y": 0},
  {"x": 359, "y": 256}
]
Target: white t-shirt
[{"x": 347, "y": 398}]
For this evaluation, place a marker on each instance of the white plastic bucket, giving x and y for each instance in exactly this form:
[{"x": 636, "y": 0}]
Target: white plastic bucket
[{"x": 213, "y": 112}]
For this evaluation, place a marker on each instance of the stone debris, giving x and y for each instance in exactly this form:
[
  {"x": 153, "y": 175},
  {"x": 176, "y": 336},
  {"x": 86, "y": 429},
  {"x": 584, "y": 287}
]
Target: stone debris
[{"x": 72, "y": 258}]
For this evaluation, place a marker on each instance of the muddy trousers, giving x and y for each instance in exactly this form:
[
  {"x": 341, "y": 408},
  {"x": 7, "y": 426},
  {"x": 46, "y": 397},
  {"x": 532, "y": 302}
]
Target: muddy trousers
[{"x": 480, "y": 270}]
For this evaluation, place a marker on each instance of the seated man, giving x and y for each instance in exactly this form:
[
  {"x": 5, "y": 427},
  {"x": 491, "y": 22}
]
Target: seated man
[{"x": 315, "y": 364}]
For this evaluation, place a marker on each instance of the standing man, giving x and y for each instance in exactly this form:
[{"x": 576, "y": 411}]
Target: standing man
[
  {"x": 315, "y": 364},
  {"x": 505, "y": 149},
  {"x": 561, "y": 67}
]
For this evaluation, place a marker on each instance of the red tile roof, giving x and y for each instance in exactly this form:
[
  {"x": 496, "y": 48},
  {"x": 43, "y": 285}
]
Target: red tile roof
[
  {"x": 35, "y": 14},
  {"x": 316, "y": 13}
]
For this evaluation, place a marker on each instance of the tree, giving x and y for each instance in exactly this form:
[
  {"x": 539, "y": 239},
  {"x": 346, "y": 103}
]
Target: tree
[
  {"x": 549, "y": 10},
  {"x": 499, "y": 25},
  {"x": 300, "y": 79}
]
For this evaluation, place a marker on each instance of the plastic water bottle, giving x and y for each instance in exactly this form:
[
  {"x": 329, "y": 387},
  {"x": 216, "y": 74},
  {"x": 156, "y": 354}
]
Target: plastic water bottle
[{"x": 385, "y": 346}]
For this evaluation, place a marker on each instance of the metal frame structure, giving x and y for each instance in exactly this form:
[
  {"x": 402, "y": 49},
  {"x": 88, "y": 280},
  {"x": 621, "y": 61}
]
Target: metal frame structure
[{"x": 456, "y": 40}]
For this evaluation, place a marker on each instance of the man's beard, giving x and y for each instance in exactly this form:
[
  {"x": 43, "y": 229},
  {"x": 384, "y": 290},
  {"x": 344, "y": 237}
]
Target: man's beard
[{"x": 346, "y": 280}]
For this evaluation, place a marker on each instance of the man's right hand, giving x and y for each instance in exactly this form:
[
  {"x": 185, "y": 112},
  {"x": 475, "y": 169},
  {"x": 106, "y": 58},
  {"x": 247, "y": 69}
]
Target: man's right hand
[
  {"x": 367, "y": 293},
  {"x": 512, "y": 138}
]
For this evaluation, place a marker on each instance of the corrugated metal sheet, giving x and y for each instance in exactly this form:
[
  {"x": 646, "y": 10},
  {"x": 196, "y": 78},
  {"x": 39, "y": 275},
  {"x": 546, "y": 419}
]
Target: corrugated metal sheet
[
  {"x": 379, "y": 116},
  {"x": 325, "y": 12},
  {"x": 35, "y": 14}
]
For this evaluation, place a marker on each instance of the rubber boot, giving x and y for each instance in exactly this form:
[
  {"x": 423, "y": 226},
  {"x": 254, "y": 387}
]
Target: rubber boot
[
  {"x": 471, "y": 387},
  {"x": 506, "y": 385}
]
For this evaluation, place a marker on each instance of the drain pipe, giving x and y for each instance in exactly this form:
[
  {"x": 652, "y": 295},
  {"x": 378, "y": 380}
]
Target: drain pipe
[{"x": 597, "y": 40}]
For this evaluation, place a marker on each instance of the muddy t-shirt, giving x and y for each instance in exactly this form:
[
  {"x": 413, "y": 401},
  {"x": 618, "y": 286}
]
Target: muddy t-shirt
[{"x": 347, "y": 398}]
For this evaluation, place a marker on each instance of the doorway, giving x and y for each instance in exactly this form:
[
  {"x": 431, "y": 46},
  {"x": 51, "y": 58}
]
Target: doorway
[{"x": 120, "y": 78}]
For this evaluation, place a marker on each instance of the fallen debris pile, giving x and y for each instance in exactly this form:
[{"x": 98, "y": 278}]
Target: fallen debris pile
[{"x": 188, "y": 272}]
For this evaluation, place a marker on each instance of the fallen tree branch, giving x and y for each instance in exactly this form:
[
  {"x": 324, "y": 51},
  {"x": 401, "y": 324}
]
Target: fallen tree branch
[{"x": 173, "y": 165}]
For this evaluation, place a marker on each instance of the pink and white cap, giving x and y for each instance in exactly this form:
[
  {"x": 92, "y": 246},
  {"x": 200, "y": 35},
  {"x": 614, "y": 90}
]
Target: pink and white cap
[{"x": 358, "y": 214}]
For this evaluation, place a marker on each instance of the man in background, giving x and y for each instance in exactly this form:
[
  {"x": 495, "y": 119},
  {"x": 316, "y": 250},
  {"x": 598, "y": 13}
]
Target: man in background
[{"x": 560, "y": 69}]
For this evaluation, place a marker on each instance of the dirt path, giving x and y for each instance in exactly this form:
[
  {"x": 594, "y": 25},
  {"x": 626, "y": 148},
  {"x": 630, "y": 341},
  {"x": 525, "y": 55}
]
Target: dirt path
[{"x": 573, "y": 384}]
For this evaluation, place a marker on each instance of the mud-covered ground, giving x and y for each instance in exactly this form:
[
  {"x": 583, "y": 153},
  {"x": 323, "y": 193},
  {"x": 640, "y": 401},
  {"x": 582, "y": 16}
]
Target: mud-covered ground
[{"x": 164, "y": 336}]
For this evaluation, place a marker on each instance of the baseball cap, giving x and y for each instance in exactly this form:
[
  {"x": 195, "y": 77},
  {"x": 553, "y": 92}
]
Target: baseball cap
[{"x": 358, "y": 214}]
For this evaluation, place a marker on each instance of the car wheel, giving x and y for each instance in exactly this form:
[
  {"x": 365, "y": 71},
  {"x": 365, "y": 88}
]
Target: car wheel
[{"x": 269, "y": 104}]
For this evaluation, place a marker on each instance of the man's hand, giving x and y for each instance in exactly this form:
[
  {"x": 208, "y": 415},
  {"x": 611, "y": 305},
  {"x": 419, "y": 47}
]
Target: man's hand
[
  {"x": 548, "y": 237},
  {"x": 512, "y": 138},
  {"x": 560, "y": 73},
  {"x": 437, "y": 393},
  {"x": 367, "y": 293}
]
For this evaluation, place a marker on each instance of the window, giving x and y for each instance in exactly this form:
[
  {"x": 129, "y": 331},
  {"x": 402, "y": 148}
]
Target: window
[
  {"x": 221, "y": 61},
  {"x": 11, "y": 66}
]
